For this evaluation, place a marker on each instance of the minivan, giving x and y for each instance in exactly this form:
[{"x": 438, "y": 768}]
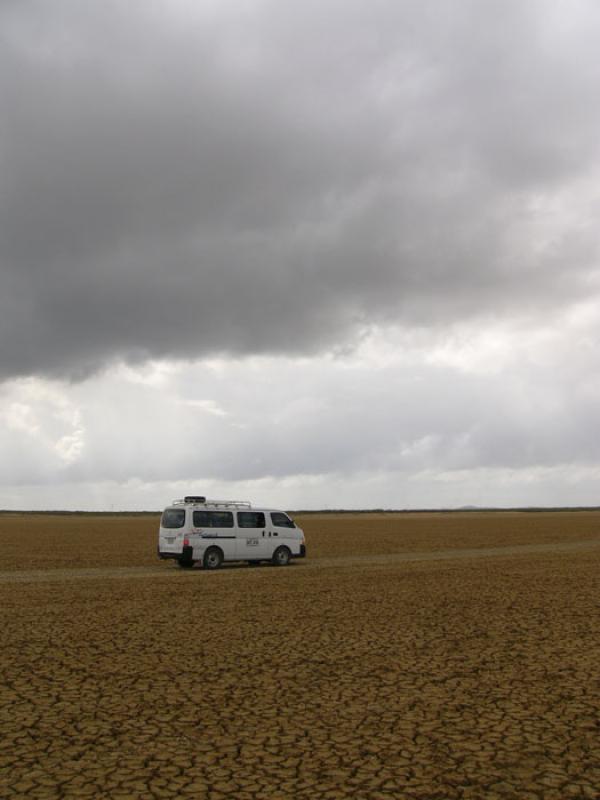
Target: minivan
[{"x": 210, "y": 532}]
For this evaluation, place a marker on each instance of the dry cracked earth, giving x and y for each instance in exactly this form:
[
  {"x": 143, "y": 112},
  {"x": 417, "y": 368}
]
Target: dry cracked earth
[{"x": 410, "y": 656}]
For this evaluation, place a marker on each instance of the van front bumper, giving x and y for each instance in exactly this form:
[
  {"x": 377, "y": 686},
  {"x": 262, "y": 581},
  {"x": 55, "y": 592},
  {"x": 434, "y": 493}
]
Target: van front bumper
[{"x": 302, "y": 553}]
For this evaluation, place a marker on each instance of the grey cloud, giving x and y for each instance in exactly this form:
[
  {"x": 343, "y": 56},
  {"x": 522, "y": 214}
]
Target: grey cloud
[{"x": 275, "y": 178}]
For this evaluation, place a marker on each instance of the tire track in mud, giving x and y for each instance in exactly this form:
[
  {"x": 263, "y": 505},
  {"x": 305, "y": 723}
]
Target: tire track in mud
[{"x": 390, "y": 559}]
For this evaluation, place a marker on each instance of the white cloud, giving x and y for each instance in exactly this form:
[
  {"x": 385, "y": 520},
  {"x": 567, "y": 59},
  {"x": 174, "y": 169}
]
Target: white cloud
[
  {"x": 20, "y": 417},
  {"x": 41, "y": 429},
  {"x": 328, "y": 431}
]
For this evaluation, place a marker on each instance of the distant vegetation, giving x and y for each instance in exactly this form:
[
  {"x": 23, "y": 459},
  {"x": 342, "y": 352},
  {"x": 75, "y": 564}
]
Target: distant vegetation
[
  {"x": 87, "y": 513},
  {"x": 462, "y": 510}
]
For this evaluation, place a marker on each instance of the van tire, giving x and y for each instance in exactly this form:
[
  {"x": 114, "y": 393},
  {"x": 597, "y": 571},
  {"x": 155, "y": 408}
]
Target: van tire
[
  {"x": 281, "y": 557},
  {"x": 213, "y": 558},
  {"x": 185, "y": 563}
]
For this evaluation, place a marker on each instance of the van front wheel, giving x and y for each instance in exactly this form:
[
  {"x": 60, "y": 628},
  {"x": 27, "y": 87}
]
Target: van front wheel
[
  {"x": 281, "y": 557},
  {"x": 213, "y": 558}
]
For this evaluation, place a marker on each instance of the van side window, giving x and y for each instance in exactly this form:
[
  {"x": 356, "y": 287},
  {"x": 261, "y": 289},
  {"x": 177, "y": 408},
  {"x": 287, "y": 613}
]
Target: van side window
[
  {"x": 281, "y": 520},
  {"x": 251, "y": 519},
  {"x": 213, "y": 519},
  {"x": 173, "y": 518}
]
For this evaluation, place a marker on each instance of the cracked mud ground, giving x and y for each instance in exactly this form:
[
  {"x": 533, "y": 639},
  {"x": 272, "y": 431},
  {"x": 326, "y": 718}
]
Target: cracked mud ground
[{"x": 471, "y": 677}]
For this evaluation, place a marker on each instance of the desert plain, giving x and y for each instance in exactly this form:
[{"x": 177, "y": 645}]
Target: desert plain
[{"x": 418, "y": 655}]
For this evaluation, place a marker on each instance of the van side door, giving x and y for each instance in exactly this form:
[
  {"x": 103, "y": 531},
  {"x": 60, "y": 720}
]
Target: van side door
[
  {"x": 216, "y": 528},
  {"x": 252, "y": 536}
]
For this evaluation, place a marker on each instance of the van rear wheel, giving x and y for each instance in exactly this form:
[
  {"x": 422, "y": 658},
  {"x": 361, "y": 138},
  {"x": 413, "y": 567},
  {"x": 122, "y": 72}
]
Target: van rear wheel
[
  {"x": 281, "y": 557},
  {"x": 213, "y": 558}
]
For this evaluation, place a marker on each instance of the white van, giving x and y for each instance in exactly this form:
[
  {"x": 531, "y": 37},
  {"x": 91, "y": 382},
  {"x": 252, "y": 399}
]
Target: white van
[{"x": 213, "y": 531}]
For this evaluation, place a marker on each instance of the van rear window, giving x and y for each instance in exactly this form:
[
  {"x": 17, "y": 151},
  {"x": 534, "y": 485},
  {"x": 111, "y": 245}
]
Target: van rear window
[
  {"x": 173, "y": 518},
  {"x": 213, "y": 519}
]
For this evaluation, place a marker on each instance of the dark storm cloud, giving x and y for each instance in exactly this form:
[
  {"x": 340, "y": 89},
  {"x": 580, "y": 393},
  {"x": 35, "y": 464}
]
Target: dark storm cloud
[{"x": 178, "y": 180}]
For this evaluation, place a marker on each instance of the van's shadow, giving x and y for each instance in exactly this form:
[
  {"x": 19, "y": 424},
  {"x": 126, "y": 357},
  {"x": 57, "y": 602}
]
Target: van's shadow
[{"x": 235, "y": 566}]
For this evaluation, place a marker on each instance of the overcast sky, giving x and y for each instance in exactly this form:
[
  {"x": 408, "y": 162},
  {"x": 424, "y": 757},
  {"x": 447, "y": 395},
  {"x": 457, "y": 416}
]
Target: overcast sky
[{"x": 311, "y": 254}]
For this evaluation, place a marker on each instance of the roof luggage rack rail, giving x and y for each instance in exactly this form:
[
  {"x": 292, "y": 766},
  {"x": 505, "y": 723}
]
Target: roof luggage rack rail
[
  {"x": 197, "y": 500},
  {"x": 234, "y": 503}
]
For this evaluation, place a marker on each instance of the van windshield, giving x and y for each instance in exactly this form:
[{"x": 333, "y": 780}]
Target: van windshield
[{"x": 173, "y": 518}]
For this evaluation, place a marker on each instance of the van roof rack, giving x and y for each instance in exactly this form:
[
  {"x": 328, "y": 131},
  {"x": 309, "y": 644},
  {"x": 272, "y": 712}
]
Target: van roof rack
[
  {"x": 233, "y": 503},
  {"x": 198, "y": 500}
]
